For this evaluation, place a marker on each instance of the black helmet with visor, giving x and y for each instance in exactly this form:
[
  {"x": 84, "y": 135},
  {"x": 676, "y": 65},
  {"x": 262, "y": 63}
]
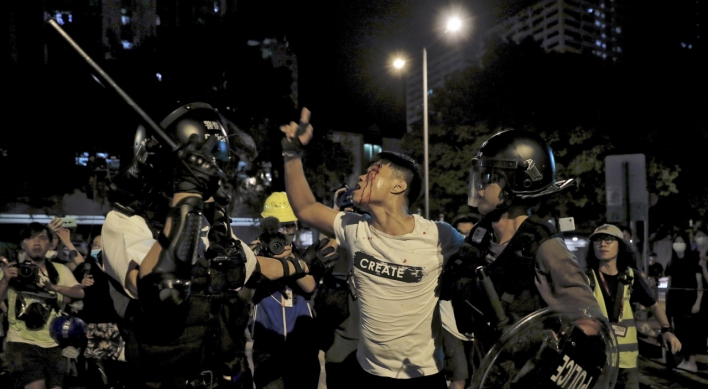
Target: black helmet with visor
[{"x": 521, "y": 162}]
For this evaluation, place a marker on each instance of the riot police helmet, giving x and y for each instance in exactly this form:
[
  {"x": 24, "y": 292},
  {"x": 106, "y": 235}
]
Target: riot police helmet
[
  {"x": 523, "y": 159},
  {"x": 193, "y": 118}
]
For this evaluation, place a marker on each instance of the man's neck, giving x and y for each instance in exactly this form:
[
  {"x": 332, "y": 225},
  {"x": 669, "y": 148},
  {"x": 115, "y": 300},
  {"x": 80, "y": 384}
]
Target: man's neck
[
  {"x": 506, "y": 227},
  {"x": 609, "y": 267},
  {"x": 41, "y": 262},
  {"x": 392, "y": 221}
]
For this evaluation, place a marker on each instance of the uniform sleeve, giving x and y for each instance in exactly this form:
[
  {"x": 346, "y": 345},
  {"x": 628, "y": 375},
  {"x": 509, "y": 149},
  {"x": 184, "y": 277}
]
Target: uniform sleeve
[{"x": 560, "y": 280}]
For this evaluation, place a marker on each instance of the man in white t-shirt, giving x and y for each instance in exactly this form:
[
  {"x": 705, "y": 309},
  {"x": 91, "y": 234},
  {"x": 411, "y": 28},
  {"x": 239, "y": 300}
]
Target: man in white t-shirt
[{"x": 397, "y": 259}]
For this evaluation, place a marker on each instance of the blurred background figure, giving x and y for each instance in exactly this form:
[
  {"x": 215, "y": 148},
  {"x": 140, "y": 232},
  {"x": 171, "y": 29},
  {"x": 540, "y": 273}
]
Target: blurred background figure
[
  {"x": 683, "y": 300},
  {"x": 100, "y": 362},
  {"x": 617, "y": 284},
  {"x": 337, "y": 310},
  {"x": 701, "y": 241},
  {"x": 464, "y": 223}
]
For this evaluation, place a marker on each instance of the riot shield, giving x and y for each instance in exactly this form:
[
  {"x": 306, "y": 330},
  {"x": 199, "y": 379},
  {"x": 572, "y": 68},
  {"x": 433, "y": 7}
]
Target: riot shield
[{"x": 547, "y": 349}]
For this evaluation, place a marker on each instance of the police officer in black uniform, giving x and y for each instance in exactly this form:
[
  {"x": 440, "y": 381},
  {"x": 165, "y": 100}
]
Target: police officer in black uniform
[
  {"x": 175, "y": 265},
  {"x": 513, "y": 263}
]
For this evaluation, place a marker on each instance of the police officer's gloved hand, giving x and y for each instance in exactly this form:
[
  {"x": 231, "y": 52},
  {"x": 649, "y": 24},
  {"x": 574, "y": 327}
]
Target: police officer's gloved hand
[
  {"x": 319, "y": 258},
  {"x": 196, "y": 170}
]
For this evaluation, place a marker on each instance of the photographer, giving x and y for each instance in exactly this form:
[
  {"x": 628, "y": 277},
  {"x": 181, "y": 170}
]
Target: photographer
[
  {"x": 36, "y": 291},
  {"x": 284, "y": 351}
]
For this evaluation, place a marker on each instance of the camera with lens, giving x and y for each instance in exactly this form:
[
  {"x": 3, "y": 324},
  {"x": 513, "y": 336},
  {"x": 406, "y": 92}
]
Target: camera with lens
[
  {"x": 226, "y": 263},
  {"x": 345, "y": 199},
  {"x": 272, "y": 244},
  {"x": 272, "y": 241},
  {"x": 27, "y": 276}
]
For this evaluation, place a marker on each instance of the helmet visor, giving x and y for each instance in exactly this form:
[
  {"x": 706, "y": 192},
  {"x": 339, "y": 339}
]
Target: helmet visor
[{"x": 482, "y": 173}]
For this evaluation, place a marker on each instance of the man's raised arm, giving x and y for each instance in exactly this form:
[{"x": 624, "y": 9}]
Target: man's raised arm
[{"x": 303, "y": 202}]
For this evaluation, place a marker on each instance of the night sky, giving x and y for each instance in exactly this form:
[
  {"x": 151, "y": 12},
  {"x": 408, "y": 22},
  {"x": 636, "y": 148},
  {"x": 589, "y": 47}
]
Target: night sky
[{"x": 344, "y": 51}]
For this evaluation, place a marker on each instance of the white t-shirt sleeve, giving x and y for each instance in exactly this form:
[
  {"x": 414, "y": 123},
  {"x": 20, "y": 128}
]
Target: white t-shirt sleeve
[
  {"x": 251, "y": 260},
  {"x": 345, "y": 221},
  {"x": 450, "y": 239},
  {"x": 125, "y": 240}
]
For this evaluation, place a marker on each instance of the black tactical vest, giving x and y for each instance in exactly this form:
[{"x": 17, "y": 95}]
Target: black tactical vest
[{"x": 512, "y": 273}]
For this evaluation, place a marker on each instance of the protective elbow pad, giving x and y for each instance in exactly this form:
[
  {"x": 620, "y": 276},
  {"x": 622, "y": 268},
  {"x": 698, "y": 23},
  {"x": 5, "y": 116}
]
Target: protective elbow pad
[{"x": 170, "y": 281}]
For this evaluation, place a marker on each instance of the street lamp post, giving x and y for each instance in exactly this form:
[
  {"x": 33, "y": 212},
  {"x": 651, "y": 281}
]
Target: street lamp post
[
  {"x": 425, "y": 131},
  {"x": 454, "y": 24}
]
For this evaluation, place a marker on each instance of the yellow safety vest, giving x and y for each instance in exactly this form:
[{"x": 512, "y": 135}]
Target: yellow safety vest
[{"x": 626, "y": 345}]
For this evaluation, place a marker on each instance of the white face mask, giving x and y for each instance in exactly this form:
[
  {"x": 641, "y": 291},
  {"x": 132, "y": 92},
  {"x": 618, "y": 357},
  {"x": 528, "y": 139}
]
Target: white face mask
[
  {"x": 680, "y": 248},
  {"x": 701, "y": 240}
]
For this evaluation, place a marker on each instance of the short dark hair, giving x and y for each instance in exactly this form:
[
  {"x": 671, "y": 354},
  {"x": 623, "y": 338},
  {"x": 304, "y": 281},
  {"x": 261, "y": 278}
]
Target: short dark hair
[
  {"x": 33, "y": 229},
  {"x": 626, "y": 257},
  {"x": 465, "y": 218},
  {"x": 409, "y": 169}
]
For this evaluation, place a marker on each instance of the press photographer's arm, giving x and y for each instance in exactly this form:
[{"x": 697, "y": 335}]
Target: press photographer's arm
[
  {"x": 75, "y": 292},
  {"x": 8, "y": 272}
]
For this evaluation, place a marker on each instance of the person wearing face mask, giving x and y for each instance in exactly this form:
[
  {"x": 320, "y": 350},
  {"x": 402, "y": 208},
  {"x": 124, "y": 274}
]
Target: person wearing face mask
[
  {"x": 683, "y": 300},
  {"x": 701, "y": 240}
]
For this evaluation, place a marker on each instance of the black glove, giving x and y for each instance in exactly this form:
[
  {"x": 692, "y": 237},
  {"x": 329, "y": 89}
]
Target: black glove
[
  {"x": 320, "y": 260},
  {"x": 295, "y": 147},
  {"x": 196, "y": 170}
]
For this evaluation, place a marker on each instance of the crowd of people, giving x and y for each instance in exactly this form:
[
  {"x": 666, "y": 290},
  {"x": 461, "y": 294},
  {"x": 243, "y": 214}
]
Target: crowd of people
[{"x": 167, "y": 296}]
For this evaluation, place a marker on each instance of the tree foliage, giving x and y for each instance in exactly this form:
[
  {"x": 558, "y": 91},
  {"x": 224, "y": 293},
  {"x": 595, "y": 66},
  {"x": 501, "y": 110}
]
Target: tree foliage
[{"x": 585, "y": 108}]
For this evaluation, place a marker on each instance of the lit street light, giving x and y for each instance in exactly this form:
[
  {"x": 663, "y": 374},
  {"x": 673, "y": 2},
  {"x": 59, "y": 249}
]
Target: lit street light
[{"x": 453, "y": 24}]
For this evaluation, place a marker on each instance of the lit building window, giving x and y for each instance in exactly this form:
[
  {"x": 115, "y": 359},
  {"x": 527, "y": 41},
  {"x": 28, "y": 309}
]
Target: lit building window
[
  {"x": 216, "y": 7},
  {"x": 127, "y": 44},
  {"x": 430, "y": 92},
  {"x": 597, "y": 22},
  {"x": 590, "y": 10},
  {"x": 598, "y": 43},
  {"x": 124, "y": 19},
  {"x": 159, "y": 76}
]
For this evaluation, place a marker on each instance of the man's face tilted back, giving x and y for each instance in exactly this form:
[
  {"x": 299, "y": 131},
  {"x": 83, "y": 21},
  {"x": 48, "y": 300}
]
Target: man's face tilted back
[{"x": 36, "y": 246}]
